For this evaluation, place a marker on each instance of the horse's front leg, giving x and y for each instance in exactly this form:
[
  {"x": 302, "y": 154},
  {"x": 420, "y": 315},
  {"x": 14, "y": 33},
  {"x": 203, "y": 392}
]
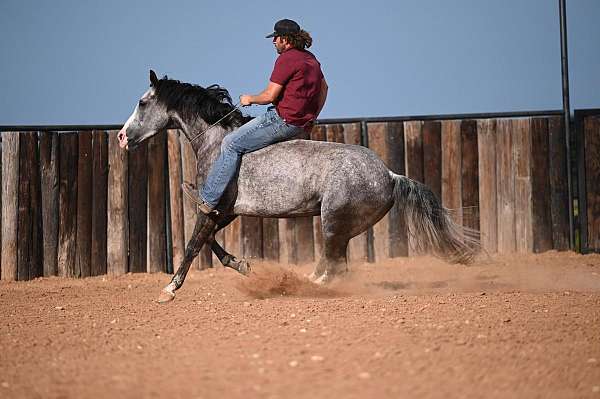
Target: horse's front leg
[{"x": 203, "y": 231}]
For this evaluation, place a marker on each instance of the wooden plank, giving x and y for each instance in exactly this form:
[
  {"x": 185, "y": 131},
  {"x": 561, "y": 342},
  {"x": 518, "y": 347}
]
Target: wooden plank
[
  {"x": 176, "y": 202},
  {"x": 233, "y": 237},
  {"x": 10, "y": 204},
  {"x": 488, "y": 210},
  {"x": 522, "y": 158},
  {"x": 48, "y": 142},
  {"x": 304, "y": 240},
  {"x": 470, "y": 176},
  {"x": 29, "y": 261},
  {"x": 24, "y": 234},
  {"x": 319, "y": 133},
  {"x": 432, "y": 156},
  {"x": 190, "y": 175},
  {"x": 558, "y": 184},
  {"x": 117, "y": 246},
  {"x": 377, "y": 133},
  {"x": 335, "y": 133},
  {"x": 505, "y": 180},
  {"x": 386, "y": 140},
  {"x": 67, "y": 203},
  {"x": 252, "y": 233},
  {"x": 540, "y": 186},
  {"x": 99, "y": 201},
  {"x": 396, "y": 162},
  {"x": 591, "y": 131},
  {"x": 84, "y": 206},
  {"x": 357, "y": 247},
  {"x": 413, "y": 144},
  {"x": 157, "y": 223},
  {"x": 138, "y": 208},
  {"x": 287, "y": 247},
  {"x": 270, "y": 241},
  {"x": 219, "y": 238},
  {"x": 36, "y": 264},
  {"x": 451, "y": 169}
]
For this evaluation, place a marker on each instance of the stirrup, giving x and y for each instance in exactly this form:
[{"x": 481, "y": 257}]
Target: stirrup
[{"x": 191, "y": 193}]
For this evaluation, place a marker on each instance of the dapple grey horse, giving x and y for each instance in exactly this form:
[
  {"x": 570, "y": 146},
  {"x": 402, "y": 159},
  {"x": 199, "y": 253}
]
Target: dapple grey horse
[{"x": 348, "y": 185}]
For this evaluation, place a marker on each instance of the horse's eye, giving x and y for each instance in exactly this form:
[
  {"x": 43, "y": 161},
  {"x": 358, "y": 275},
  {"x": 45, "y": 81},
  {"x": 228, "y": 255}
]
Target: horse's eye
[{"x": 142, "y": 103}]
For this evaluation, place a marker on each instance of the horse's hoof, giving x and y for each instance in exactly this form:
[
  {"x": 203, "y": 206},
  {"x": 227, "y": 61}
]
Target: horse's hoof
[
  {"x": 243, "y": 267},
  {"x": 165, "y": 296},
  {"x": 324, "y": 279},
  {"x": 312, "y": 277}
]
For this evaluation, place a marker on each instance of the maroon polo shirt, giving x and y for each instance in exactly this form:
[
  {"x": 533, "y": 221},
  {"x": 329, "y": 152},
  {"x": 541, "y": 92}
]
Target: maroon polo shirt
[{"x": 299, "y": 72}]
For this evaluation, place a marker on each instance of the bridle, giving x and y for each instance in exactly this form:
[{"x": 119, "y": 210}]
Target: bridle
[{"x": 197, "y": 136}]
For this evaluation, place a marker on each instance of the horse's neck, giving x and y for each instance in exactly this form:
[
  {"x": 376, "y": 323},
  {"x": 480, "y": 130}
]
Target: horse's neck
[{"x": 207, "y": 147}]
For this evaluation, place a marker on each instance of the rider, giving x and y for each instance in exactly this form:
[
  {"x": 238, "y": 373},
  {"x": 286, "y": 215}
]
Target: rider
[{"x": 297, "y": 89}]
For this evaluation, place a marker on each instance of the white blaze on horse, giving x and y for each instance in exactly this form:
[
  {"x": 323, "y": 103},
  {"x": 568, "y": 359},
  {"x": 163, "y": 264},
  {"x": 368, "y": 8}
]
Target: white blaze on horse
[{"x": 347, "y": 185}]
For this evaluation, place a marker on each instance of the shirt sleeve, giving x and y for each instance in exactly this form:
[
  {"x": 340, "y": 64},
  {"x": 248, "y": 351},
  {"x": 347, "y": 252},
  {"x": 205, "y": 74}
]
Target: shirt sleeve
[{"x": 282, "y": 71}]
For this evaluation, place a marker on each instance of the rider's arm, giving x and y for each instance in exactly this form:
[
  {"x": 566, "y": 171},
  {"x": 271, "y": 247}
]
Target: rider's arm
[
  {"x": 267, "y": 96},
  {"x": 322, "y": 96}
]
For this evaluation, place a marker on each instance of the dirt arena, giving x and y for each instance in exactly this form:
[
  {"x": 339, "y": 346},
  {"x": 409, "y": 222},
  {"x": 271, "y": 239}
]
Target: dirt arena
[{"x": 513, "y": 326}]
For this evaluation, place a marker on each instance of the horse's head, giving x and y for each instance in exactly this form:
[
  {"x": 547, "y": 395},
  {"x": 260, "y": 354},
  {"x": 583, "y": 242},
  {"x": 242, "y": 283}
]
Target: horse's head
[{"x": 148, "y": 118}]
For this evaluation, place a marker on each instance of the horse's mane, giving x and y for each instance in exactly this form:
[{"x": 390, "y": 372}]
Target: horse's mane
[{"x": 210, "y": 103}]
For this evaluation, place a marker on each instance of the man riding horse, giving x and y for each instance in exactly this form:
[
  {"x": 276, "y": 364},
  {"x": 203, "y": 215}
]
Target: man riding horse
[
  {"x": 298, "y": 90},
  {"x": 349, "y": 186}
]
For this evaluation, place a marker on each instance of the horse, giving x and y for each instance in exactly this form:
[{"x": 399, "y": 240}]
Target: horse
[{"x": 349, "y": 186}]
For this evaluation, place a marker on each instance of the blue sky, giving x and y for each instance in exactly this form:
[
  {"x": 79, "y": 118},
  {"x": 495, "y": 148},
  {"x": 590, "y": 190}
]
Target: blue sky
[{"x": 87, "y": 62}]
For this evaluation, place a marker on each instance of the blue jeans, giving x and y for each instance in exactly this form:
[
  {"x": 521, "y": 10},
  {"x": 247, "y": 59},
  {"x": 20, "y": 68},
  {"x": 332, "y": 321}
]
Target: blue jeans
[{"x": 263, "y": 130}]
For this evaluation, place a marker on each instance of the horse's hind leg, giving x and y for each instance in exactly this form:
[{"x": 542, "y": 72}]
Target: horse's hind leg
[
  {"x": 333, "y": 260},
  {"x": 228, "y": 260},
  {"x": 203, "y": 232}
]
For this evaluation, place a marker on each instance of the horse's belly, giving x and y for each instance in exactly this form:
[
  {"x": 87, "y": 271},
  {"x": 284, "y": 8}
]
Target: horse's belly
[{"x": 284, "y": 190}]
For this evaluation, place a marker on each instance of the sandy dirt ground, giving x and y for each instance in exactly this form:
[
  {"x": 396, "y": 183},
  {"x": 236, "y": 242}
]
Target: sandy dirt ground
[{"x": 509, "y": 327}]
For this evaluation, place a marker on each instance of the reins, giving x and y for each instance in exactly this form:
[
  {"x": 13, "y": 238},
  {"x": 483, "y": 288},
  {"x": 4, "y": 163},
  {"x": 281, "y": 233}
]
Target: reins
[{"x": 196, "y": 137}]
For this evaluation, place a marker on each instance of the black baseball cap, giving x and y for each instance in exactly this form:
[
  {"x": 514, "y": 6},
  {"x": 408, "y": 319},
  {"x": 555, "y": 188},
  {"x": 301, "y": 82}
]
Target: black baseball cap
[{"x": 284, "y": 27}]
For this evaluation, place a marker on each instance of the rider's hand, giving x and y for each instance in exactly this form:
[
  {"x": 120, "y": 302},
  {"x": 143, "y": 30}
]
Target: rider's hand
[{"x": 245, "y": 100}]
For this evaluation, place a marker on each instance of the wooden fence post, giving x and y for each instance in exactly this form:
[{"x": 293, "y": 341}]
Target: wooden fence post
[
  {"x": 29, "y": 234},
  {"x": 540, "y": 186},
  {"x": 176, "y": 204},
  {"x": 488, "y": 210},
  {"x": 523, "y": 196},
  {"x": 99, "y": 201},
  {"x": 507, "y": 239},
  {"x": 49, "y": 192},
  {"x": 396, "y": 162},
  {"x": 357, "y": 247},
  {"x": 469, "y": 173},
  {"x": 432, "y": 156},
  {"x": 558, "y": 183},
  {"x": 591, "y": 137},
  {"x": 118, "y": 209},
  {"x": 190, "y": 175},
  {"x": 10, "y": 189},
  {"x": 138, "y": 208},
  {"x": 252, "y": 237},
  {"x": 67, "y": 230},
  {"x": 84, "y": 206},
  {"x": 451, "y": 169},
  {"x": 157, "y": 224}
]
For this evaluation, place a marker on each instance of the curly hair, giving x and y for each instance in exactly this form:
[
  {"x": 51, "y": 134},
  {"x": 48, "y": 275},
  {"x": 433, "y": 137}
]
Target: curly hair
[{"x": 300, "y": 40}]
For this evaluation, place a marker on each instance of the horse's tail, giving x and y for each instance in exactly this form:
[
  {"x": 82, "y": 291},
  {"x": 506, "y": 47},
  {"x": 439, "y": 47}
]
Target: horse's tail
[{"x": 430, "y": 227}]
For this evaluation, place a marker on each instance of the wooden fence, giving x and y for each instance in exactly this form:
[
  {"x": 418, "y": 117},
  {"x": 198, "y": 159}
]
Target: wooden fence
[
  {"x": 74, "y": 204},
  {"x": 587, "y": 123}
]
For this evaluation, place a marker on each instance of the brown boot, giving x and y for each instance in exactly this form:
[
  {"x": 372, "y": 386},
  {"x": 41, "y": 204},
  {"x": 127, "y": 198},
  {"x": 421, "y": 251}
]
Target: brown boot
[{"x": 191, "y": 192}]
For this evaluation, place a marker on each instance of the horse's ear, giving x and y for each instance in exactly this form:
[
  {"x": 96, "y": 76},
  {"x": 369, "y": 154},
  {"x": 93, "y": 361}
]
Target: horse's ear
[{"x": 153, "y": 78}]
